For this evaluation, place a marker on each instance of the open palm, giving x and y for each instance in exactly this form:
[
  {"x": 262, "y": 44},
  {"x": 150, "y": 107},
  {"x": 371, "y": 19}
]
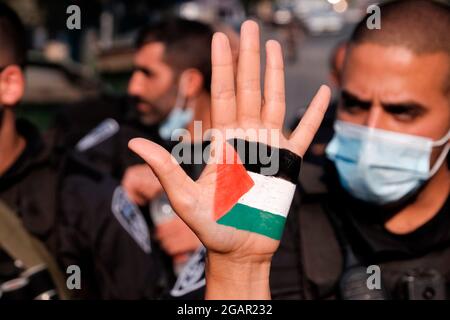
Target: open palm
[{"x": 236, "y": 112}]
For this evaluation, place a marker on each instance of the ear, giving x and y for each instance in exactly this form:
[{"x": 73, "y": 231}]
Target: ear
[
  {"x": 334, "y": 79},
  {"x": 191, "y": 83},
  {"x": 12, "y": 85}
]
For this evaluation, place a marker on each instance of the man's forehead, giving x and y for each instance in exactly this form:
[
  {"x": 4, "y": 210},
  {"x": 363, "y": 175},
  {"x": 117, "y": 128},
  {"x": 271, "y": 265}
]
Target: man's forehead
[
  {"x": 371, "y": 68},
  {"x": 397, "y": 58},
  {"x": 374, "y": 57},
  {"x": 150, "y": 52}
]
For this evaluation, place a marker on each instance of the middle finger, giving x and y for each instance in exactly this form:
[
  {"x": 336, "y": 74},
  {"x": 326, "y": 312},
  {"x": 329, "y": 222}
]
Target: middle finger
[{"x": 248, "y": 76}]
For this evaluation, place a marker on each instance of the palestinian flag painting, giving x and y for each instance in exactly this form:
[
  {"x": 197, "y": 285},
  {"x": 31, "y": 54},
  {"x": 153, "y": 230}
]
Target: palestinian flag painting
[{"x": 248, "y": 200}]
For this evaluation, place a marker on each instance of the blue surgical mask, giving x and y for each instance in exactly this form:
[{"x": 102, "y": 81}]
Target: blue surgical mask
[
  {"x": 379, "y": 166},
  {"x": 178, "y": 118}
]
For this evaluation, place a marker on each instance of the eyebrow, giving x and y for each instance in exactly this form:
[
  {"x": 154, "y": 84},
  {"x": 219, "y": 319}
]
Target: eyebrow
[
  {"x": 144, "y": 70},
  {"x": 353, "y": 99},
  {"x": 390, "y": 107},
  {"x": 405, "y": 106}
]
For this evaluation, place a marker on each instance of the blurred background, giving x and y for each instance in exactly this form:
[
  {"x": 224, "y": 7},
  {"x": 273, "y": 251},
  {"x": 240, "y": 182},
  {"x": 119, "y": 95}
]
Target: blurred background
[{"x": 67, "y": 66}]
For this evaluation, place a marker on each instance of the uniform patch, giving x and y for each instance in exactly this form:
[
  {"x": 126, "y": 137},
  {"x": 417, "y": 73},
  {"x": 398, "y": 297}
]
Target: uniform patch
[
  {"x": 192, "y": 277},
  {"x": 131, "y": 219}
]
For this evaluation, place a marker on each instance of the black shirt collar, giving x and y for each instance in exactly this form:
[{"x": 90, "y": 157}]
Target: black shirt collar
[{"x": 364, "y": 226}]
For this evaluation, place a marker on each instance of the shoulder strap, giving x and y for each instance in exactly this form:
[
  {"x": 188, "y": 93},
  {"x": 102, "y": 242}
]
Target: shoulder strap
[{"x": 21, "y": 245}]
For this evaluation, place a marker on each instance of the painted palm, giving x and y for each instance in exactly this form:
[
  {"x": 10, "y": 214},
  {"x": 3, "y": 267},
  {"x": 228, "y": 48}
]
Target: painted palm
[{"x": 234, "y": 207}]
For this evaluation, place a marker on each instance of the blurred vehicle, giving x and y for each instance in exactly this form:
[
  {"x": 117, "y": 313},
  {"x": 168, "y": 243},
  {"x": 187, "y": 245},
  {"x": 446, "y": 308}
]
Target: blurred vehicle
[
  {"x": 316, "y": 16},
  {"x": 229, "y": 12},
  {"x": 51, "y": 85},
  {"x": 304, "y": 8},
  {"x": 324, "y": 22}
]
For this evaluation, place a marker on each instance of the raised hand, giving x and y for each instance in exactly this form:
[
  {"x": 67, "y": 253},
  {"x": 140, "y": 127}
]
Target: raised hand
[{"x": 236, "y": 250}]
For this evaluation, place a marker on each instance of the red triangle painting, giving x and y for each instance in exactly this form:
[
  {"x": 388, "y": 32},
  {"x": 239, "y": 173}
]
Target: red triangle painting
[{"x": 232, "y": 182}]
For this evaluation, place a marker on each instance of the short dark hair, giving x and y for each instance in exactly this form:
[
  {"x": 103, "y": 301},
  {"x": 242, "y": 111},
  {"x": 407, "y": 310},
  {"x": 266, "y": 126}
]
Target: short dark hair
[
  {"x": 187, "y": 44},
  {"x": 333, "y": 60},
  {"x": 422, "y": 26},
  {"x": 12, "y": 38}
]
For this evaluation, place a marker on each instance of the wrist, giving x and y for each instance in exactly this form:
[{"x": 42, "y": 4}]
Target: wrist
[{"x": 243, "y": 278}]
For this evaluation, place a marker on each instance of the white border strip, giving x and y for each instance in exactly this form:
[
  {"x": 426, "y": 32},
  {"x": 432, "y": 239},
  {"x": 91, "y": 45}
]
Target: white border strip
[{"x": 269, "y": 194}]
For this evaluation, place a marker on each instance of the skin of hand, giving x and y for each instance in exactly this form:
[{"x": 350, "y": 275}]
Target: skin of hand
[
  {"x": 141, "y": 184},
  {"x": 238, "y": 262}
]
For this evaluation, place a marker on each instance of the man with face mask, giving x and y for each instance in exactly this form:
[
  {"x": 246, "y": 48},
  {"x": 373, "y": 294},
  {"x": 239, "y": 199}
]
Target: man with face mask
[
  {"x": 183, "y": 103},
  {"x": 386, "y": 190},
  {"x": 82, "y": 217},
  {"x": 380, "y": 226},
  {"x": 384, "y": 202},
  {"x": 168, "y": 90}
]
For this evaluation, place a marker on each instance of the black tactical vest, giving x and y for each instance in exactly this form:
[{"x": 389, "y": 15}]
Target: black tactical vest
[{"x": 324, "y": 261}]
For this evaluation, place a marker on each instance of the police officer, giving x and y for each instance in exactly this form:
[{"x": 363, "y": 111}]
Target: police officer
[
  {"x": 175, "y": 238},
  {"x": 81, "y": 216},
  {"x": 382, "y": 200},
  {"x": 384, "y": 207},
  {"x": 169, "y": 88}
]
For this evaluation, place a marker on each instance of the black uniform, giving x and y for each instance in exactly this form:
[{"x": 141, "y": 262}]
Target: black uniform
[
  {"x": 84, "y": 219},
  {"x": 332, "y": 239}
]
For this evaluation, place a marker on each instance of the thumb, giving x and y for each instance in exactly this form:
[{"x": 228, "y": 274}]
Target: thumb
[{"x": 180, "y": 189}]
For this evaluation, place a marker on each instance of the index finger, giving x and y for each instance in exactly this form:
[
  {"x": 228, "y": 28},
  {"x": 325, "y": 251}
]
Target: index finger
[{"x": 303, "y": 135}]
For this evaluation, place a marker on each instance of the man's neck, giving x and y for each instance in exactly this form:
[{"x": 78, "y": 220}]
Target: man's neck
[
  {"x": 202, "y": 112},
  {"x": 11, "y": 143},
  {"x": 425, "y": 207}
]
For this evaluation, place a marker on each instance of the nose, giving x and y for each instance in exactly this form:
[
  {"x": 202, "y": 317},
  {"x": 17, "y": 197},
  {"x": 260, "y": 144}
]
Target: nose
[
  {"x": 375, "y": 117},
  {"x": 134, "y": 86}
]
